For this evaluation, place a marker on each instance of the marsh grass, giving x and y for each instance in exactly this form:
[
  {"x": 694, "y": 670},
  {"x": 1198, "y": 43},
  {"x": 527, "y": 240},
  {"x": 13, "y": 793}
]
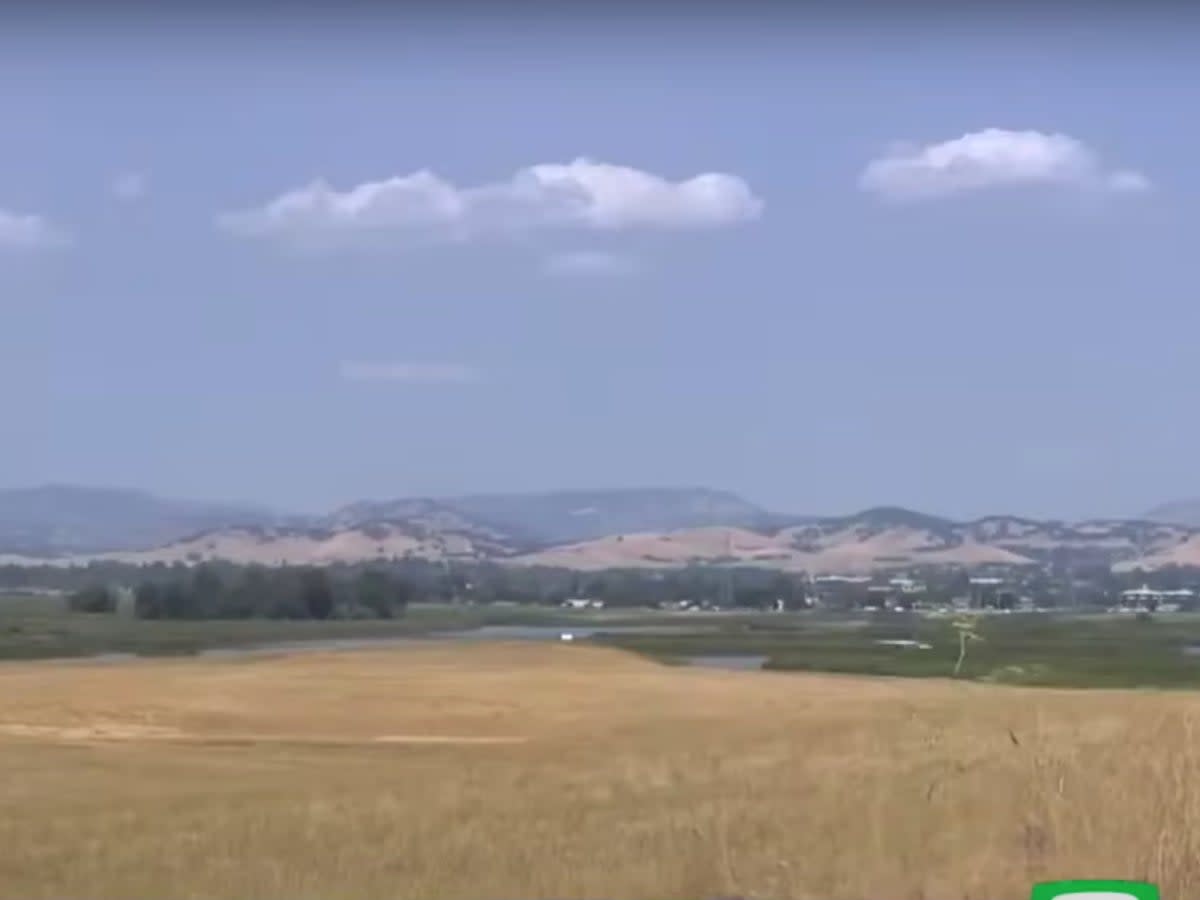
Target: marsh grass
[
  {"x": 42, "y": 628},
  {"x": 37, "y": 627},
  {"x": 631, "y": 780},
  {"x": 1045, "y": 650}
]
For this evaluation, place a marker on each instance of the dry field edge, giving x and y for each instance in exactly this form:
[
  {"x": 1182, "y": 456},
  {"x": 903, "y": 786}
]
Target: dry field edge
[
  {"x": 1059, "y": 650},
  {"x": 571, "y": 771}
]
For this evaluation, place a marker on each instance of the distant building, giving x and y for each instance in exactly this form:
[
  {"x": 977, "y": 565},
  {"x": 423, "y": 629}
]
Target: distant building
[
  {"x": 991, "y": 592},
  {"x": 1148, "y": 599},
  {"x": 688, "y": 605},
  {"x": 582, "y": 603},
  {"x": 844, "y": 591},
  {"x": 899, "y": 592}
]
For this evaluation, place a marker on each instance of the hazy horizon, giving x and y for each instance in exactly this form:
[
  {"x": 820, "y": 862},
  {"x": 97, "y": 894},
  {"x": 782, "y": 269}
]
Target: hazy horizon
[
  {"x": 824, "y": 264},
  {"x": 765, "y": 506}
]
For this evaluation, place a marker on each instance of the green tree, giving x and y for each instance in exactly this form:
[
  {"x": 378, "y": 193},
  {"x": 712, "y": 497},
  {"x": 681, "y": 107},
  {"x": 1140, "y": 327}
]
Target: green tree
[
  {"x": 148, "y": 601},
  {"x": 207, "y": 594},
  {"x": 381, "y": 594},
  {"x": 176, "y": 601},
  {"x": 251, "y": 594},
  {"x": 316, "y": 594},
  {"x": 93, "y": 599},
  {"x": 373, "y": 592}
]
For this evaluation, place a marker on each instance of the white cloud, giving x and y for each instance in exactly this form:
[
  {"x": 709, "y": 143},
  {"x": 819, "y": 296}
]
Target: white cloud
[
  {"x": 589, "y": 262},
  {"x": 994, "y": 158},
  {"x": 582, "y": 194},
  {"x": 413, "y": 373},
  {"x": 130, "y": 186},
  {"x": 20, "y": 231}
]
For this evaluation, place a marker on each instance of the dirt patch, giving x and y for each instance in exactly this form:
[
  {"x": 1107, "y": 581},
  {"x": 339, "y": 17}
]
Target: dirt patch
[
  {"x": 123, "y": 732},
  {"x": 444, "y": 739},
  {"x": 108, "y": 731}
]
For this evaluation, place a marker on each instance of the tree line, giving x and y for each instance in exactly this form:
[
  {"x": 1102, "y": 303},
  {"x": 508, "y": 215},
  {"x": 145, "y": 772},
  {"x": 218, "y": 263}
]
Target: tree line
[
  {"x": 379, "y": 589},
  {"x": 207, "y": 592}
]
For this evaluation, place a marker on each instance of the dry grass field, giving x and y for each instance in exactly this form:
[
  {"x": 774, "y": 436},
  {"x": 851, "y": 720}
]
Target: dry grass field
[{"x": 491, "y": 771}]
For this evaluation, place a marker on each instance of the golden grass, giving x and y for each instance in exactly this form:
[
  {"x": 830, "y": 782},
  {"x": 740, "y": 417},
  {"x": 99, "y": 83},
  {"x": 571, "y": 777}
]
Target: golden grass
[{"x": 548, "y": 771}]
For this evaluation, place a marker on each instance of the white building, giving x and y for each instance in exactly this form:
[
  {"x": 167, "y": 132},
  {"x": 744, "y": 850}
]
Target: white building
[
  {"x": 842, "y": 579},
  {"x": 582, "y": 603},
  {"x": 1146, "y": 598},
  {"x": 985, "y": 590}
]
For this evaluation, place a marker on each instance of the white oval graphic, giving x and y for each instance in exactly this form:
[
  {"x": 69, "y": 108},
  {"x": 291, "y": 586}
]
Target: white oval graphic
[{"x": 1095, "y": 895}]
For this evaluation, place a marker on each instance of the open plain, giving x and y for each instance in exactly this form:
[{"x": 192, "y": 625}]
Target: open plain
[{"x": 491, "y": 770}]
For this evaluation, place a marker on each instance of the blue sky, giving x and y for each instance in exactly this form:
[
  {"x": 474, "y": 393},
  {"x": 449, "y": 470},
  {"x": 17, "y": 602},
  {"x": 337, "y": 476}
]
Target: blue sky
[{"x": 1000, "y": 314}]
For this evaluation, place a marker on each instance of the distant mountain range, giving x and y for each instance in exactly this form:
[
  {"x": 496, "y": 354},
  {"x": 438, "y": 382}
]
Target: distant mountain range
[
  {"x": 644, "y": 527},
  {"x": 67, "y": 519},
  {"x": 55, "y": 519},
  {"x": 1177, "y": 512},
  {"x": 563, "y": 516}
]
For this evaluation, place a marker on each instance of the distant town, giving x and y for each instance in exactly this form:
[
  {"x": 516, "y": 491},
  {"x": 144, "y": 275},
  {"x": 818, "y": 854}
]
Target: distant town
[
  {"x": 684, "y": 550},
  {"x": 949, "y": 591}
]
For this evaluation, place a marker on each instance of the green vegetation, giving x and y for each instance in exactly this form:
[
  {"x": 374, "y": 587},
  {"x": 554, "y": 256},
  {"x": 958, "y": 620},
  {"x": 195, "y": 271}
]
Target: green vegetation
[
  {"x": 93, "y": 599},
  {"x": 1047, "y": 650},
  {"x": 46, "y": 627},
  {"x": 741, "y": 588},
  {"x": 1033, "y": 649},
  {"x": 42, "y": 627},
  {"x": 482, "y": 583},
  {"x": 256, "y": 592}
]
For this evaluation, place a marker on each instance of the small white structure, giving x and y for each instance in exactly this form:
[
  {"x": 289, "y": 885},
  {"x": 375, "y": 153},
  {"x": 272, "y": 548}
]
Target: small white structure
[
  {"x": 583, "y": 603},
  {"x": 988, "y": 591},
  {"x": 1146, "y": 598},
  {"x": 915, "y": 645},
  {"x": 680, "y": 605}
]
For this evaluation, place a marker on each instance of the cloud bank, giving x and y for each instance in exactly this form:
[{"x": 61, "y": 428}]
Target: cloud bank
[
  {"x": 991, "y": 159},
  {"x": 581, "y": 195},
  {"x": 19, "y": 231}
]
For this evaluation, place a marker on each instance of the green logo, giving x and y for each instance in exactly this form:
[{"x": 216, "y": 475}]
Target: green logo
[{"x": 1095, "y": 890}]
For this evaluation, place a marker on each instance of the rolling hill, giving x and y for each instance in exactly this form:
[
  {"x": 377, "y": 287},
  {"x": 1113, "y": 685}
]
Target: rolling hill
[
  {"x": 877, "y": 539},
  {"x": 1177, "y": 512},
  {"x": 556, "y": 517},
  {"x": 585, "y": 530},
  {"x": 57, "y": 519},
  {"x": 869, "y": 541},
  {"x": 313, "y": 546}
]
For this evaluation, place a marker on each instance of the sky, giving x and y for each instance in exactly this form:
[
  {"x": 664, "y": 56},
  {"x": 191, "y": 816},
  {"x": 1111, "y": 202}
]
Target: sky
[{"x": 938, "y": 260}]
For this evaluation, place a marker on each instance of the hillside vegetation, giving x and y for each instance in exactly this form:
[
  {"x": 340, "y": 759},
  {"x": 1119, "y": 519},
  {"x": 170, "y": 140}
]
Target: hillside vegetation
[
  {"x": 552, "y": 771},
  {"x": 650, "y": 528}
]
